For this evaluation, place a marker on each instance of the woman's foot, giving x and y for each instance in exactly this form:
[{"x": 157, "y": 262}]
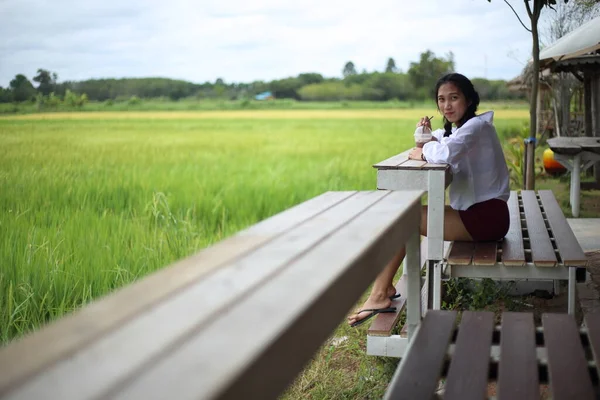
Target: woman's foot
[{"x": 374, "y": 302}]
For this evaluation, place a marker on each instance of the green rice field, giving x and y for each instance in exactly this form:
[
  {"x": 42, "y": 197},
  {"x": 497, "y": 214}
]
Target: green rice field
[{"x": 91, "y": 201}]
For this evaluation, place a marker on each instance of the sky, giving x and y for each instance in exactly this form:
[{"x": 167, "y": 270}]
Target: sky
[{"x": 248, "y": 40}]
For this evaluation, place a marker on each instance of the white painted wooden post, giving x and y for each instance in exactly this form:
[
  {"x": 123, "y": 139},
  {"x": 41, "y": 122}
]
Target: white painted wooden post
[
  {"x": 435, "y": 234},
  {"x": 413, "y": 259}
]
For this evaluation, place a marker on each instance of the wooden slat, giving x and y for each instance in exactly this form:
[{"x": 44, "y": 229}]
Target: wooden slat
[
  {"x": 418, "y": 374},
  {"x": 513, "y": 252},
  {"x": 278, "y": 321},
  {"x": 416, "y": 164},
  {"x": 567, "y": 366},
  {"x": 568, "y": 247},
  {"x": 542, "y": 251},
  {"x": 518, "y": 371},
  {"x": 178, "y": 314},
  {"x": 28, "y": 356},
  {"x": 461, "y": 253},
  {"x": 564, "y": 146},
  {"x": 468, "y": 373},
  {"x": 392, "y": 161},
  {"x": 384, "y": 324},
  {"x": 592, "y": 322},
  {"x": 485, "y": 253}
]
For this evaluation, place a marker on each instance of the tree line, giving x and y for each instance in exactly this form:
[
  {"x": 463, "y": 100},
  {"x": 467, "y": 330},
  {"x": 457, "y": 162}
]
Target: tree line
[{"x": 391, "y": 83}]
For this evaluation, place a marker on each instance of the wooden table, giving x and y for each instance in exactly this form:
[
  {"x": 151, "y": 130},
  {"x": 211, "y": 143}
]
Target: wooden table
[
  {"x": 516, "y": 355},
  {"x": 576, "y": 154},
  {"x": 400, "y": 173}
]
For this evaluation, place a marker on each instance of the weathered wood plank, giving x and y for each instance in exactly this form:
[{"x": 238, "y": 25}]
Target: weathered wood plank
[
  {"x": 461, "y": 253},
  {"x": 468, "y": 373},
  {"x": 513, "y": 252},
  {"x": 392, "y": 161},
  {"x": 418, "y": 374},
  {"x": 564, "y": 146},
  {"x": 568, "y": 247},
  {"x": 416, "y": 164},
  {"x": 384, "y": 324},
  {"x": 280, "y": 333},
  {"x": 567, "y": 366},
  {"x": 485, "y": 253},
  {"x": 29, "y": 356},
  {"x": 178, "y": 314},
  {"x": 518, "y": 370},
  {"x": 542, "y": 251}
]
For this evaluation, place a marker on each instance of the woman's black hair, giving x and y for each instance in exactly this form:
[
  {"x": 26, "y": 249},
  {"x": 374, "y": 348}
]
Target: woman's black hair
[{"x": 468, "y": 90}]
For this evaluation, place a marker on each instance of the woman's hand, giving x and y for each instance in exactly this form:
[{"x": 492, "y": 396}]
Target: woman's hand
[
  {"x": 415, "y": 154},
  {"x": 424, "y": 122}
]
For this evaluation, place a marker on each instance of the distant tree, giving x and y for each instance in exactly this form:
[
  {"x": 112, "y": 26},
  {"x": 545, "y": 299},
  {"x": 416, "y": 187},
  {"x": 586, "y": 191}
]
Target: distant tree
[
  {"x": 219, "y": 81},
  {"x": 47, "y": 81},
  {"x": 286, "y": 88},
  {"x": 310, "y": 78},
  {"x": 428, "y": 70},
  {"x": 391, "y": 65},
  {"x": 5, "y": 95},
  {"x": 21, "y": 88},
  {"x": 349, "y": 69}
]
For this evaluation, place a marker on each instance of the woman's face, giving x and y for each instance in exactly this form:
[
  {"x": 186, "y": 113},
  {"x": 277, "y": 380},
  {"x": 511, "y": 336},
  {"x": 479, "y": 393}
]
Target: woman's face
[{"x": 451, "y": 102}]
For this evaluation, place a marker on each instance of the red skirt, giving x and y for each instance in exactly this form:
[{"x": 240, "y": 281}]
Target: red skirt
[{"x": 486, "y": 221}]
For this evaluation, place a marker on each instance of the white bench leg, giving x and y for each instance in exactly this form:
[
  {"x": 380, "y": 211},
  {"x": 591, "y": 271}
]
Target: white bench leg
[
  {"x": 413, "y": 259},
  {"x": 572, "y": 286}
]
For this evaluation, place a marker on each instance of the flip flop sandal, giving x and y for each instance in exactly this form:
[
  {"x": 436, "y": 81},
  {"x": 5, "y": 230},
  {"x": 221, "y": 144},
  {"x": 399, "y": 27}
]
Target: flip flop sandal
[{"x": 374, "y": 312}]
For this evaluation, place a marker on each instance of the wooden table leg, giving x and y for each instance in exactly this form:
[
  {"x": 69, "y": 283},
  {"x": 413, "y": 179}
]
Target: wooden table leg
[{"x": 435, "y": 236}]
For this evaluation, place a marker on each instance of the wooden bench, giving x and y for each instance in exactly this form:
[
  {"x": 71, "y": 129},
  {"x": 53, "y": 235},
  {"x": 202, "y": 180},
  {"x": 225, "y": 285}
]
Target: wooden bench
[
  {"x": 237, "y": 320},
  {"x": 540, "y": 245},
  {"x": 458, "y": 361}
]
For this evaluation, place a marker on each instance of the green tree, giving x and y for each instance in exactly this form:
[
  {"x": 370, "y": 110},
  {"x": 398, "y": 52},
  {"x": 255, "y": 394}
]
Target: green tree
[
  {"x": 349, "y": 69},
  {"x": 391, "y": 65},
  {"x": 21, "y": 88},
  {"x": 310, "y": 78},
  {"x": 534, "y": 9},
  {"x": 286, "y": 88},
  {"x": 424, "y": 74},
  {"x": 5, "y": 95},
  {"x": 46, "y": 80}
]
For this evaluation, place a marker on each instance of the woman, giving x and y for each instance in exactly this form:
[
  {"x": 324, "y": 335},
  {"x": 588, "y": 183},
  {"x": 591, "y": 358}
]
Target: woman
[{"x": 480, "y": 182}]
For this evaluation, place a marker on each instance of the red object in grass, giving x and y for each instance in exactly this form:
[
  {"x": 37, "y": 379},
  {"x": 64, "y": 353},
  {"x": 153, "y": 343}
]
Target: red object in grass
[{"x": 551, "y": 166}]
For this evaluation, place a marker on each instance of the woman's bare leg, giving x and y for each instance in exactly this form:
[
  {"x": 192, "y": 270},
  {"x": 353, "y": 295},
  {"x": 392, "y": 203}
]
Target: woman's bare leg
[{"x": 383, "y": 287}]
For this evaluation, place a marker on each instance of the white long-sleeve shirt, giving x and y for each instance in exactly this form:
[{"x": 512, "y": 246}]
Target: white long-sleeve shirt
[{"x": 479, "y": 170}]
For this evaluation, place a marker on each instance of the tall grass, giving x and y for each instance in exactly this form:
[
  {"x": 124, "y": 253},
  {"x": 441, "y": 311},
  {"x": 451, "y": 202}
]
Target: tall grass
[
  {"x": 89, "y": 205},
  {"x": 195, "y": 104}
]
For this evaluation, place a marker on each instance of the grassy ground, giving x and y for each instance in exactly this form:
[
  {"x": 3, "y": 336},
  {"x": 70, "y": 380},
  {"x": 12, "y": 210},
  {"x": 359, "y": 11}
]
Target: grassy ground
[
  {"x": 192, "y": 104},
  {"x": 93, "y": 201}
]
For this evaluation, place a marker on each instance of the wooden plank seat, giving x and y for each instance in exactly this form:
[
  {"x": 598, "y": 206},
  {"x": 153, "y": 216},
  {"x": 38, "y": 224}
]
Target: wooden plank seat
[
  {"x": 237, "y": 320},
  {"x": 539, "y": 245},
  {"x": 451, "y": 360}
]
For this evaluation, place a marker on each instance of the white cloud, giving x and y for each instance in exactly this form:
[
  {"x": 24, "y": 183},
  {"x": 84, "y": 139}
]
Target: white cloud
[{"x": 241, "y": 41}]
